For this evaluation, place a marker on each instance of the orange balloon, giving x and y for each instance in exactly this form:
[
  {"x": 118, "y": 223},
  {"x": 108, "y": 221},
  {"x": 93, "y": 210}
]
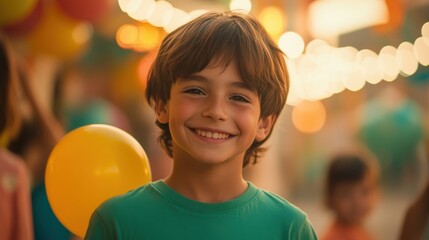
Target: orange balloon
[
  {"x": 89, "y": 165},
  {"x": 58, "y": 36}
]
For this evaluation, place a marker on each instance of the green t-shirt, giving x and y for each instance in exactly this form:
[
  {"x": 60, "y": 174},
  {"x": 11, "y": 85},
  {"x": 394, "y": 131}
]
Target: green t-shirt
[{"x": 156, "y": 211}]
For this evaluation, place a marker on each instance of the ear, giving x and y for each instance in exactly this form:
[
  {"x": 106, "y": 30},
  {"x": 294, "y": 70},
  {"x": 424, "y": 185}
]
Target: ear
[
  {"x": 264, "y": 128},
  {"x": 161, "y": 110}
]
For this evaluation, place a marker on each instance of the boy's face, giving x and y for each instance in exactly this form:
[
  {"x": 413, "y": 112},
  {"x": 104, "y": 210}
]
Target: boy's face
[
  {"x": 352, "y": 202},
  {"x": 213, "y": 117}
]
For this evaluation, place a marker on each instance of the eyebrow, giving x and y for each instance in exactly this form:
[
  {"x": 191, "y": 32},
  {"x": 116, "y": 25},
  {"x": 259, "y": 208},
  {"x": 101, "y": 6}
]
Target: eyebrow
[{"x": 199, "y": 78}]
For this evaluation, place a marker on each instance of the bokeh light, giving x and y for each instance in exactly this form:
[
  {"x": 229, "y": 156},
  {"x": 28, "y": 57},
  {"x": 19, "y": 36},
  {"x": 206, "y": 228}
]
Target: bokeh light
[
  {"x": 179, "y": 18},
  {"x": 314, "y": 44},
  {"x": 162, "y": 14},
  {"x": 129, "y": 5},
  {"x": 367, "y": 61},
  {"x": 142, "y": 37},
  {"x": 425, "y": 30},
  {"x": 406, "y": 59},
  {"x": 127, "y": 35},
  {"x": 353, "y": 79},
  {"x": 82, "y": 33},
  {"x": 273, "y": 20},
  {"x": 331, "y": 18},
  {"x": 149, "y": 37},
  {"x": 291, "y": 44},
  {"x": 143, "y": 10},
  {"x": 144, "y": 66},
  {"x": 308, "y": 116},
  {"x": 421, "y": 50},
  {"x": 387, "y": 63},
  {"x": 244, "y": 5}
]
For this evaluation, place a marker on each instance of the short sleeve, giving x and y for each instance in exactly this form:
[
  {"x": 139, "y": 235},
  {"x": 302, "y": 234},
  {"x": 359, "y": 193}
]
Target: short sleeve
[
  {"x": 98, "y": 229},
  {"x": 306, "y": 231}
]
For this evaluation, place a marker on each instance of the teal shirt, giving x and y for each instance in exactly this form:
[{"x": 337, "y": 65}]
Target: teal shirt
[{"x": 156, "y": 211}]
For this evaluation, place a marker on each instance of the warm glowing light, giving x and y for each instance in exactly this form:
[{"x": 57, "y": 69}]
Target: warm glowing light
[
  {"x": 338, "y": 63},
  {"x": 82, "y": 33},
  {"x": 315, "y": 85},
  {"x": 162, "y": 14},
  {"x": 143, "y": 10},
  {"x": 421, "y": 50},
  {"x": 272, "y": 19},
  {"x": 330, "y": 18},
  {"x": 363, "y": 54},
  {"x": 149, "y": 37},
  {"x": 197, "y": 13},
  {"x": 345, "y": 67},
  {"x": 370, "y": 70},
  {"x": 143, "y": 37},
  {"x": 291, "y": 44},
  {"x": 314, "y": 45},
  {"x": 244, "y": 5},
  {"x": 367, "y": 61},
  {"x": 144, "y": 66},
  {"x": 406, "y": 59},
  {"x": 425, "y": 30},
  {"x": 310, "y": 79},
  {"x": 347, "y": 53},
  {"x": 293, "y": 97},
  {"x": 309, "y": 117},
  {"x": 128, "y": 5},
  {"x": 387, "y": 63},
  {"x": 179, "y": 18},
  {"x": 322, "y": 71},
  {"x": 353, "y": 79},
  {"x": 127, "y": 35}
]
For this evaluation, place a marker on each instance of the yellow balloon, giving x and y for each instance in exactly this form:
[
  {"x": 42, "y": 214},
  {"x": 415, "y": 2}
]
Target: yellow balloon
[
  {"x": 89, "y": 165},
  {"x": 12, "y": 11}
]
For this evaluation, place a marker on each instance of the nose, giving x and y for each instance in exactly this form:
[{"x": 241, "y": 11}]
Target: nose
[{"x": 215, "y": 109}]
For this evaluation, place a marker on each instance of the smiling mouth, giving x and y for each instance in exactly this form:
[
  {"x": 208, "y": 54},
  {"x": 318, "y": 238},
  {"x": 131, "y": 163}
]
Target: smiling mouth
[{"x": 211, "y": 135}]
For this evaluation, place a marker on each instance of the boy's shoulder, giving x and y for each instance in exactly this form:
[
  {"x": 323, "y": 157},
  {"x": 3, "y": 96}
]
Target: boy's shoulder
[
  {"x": 131, "y": 199},
  {"x": 281, "y": 206}
]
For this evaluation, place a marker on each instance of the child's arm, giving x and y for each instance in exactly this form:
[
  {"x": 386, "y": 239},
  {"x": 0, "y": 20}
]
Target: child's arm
[
  {"x": 416, "y": 217},
  {"x": 36, "y": 82},
  {"x": 51, "y": 128}
]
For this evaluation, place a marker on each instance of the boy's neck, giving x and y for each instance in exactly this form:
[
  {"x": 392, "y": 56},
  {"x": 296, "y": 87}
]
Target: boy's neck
[{"x": 210, "y": 185}]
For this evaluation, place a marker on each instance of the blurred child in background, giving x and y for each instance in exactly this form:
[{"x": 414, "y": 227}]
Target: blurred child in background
[
  {"x": 351, "y": 193},
  {"x": 28, "y": 133},
  {"x": 15, "y": 204}
]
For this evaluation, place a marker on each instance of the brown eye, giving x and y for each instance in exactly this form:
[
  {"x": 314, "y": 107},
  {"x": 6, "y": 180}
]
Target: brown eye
[
  {"x": 239, "y": 98},
  {"x": 194, "y": 91}
]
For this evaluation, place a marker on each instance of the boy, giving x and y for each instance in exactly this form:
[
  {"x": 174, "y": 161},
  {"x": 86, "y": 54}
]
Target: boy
[
  {"x": 217, "y": 87},
  {"x": 351, "y": 192}
]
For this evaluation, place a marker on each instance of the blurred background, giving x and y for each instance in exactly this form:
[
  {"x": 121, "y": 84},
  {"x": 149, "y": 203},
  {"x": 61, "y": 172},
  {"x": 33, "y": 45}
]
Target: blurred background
[{"x": 359, "y": 79}]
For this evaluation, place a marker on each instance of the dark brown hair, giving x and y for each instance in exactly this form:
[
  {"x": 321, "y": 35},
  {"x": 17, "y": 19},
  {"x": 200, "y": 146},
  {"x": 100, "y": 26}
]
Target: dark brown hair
[
  {"x": 9, "y": 117},
  {"x": 225, "y": 37},
  {"x": 348, "y": 168}
]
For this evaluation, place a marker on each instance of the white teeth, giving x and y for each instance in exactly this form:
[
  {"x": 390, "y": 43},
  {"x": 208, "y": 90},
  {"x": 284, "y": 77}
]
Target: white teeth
[{"x": 213, "y": 135}]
